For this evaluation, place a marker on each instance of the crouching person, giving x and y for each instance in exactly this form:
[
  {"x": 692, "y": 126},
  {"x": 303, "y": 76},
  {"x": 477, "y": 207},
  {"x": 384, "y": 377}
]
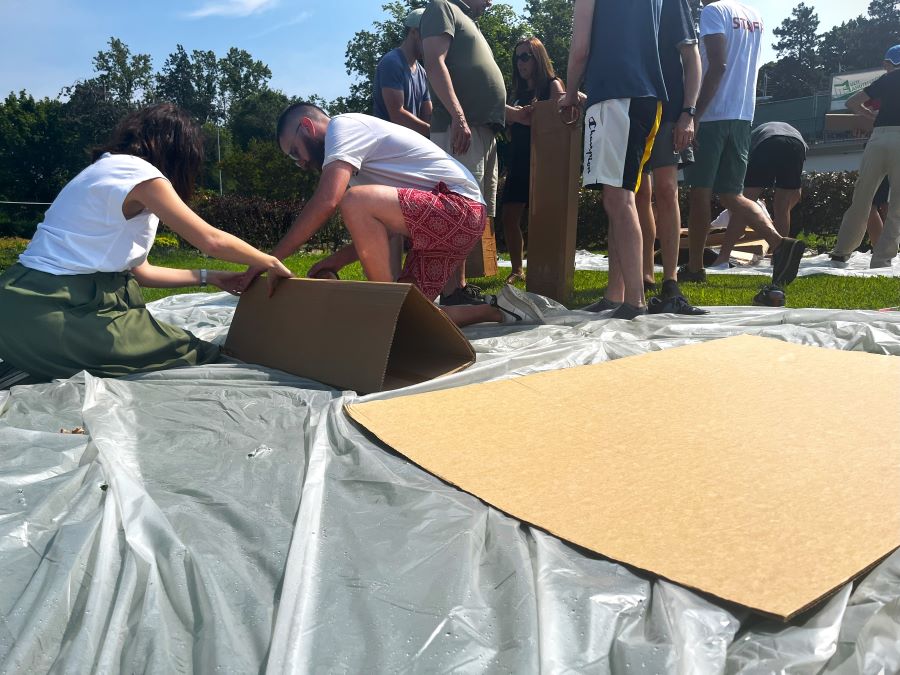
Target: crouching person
[
  {"x": 387, "y": 180},
  {"x": 73, "y": 301}
]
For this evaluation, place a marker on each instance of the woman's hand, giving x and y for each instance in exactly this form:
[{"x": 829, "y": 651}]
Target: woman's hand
[{"x": 227, "y": 281}]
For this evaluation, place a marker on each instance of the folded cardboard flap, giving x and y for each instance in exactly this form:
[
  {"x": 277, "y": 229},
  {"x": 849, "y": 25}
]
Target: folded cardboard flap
[
  {"x": 363, "y": 336},
  {"x": 426, "y": 344},
  {"x": 774, "y": 513}
]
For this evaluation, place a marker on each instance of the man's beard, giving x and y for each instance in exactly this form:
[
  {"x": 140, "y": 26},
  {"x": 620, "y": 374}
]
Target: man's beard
[{"x": 316, "y": 150}]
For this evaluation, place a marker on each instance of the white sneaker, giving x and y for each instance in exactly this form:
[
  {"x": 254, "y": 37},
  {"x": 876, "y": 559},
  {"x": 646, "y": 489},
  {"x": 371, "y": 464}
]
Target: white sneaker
[{"x": 515, "y": 306}]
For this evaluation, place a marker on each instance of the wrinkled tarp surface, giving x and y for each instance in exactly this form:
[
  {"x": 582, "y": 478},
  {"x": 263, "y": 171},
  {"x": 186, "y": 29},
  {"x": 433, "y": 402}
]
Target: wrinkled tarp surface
[
  {"x": 857, "y": 266},
  {"x": 229, "y": 518}
]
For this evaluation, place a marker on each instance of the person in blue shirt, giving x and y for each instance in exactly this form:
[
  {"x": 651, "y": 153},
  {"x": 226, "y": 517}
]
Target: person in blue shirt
[
  {"x": 616, "y": 55},
  {"x": 400, "y": 90}
]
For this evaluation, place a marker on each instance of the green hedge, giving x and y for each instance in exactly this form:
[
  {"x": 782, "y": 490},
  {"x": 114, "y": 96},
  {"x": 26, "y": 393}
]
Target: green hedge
[{"x": 262, "y": 222}]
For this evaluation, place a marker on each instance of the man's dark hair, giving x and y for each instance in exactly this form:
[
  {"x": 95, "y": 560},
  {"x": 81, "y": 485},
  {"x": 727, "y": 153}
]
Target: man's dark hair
[
  {"x": 166, "y": 137},
  {"x": 295, "y": 110}
]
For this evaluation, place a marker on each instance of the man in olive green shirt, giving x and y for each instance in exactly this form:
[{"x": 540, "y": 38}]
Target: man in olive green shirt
[{"x": 469, "y": 99}]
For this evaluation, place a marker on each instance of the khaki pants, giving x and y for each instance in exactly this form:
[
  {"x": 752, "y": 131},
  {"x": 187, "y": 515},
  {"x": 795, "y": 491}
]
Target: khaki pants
[
  {"x": 480, "y": 159},
  {"x": 881, "y": 158}
]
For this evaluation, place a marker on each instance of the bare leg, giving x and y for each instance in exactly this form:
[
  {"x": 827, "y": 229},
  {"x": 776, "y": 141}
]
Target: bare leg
[
  {"x": 397, "y": 254},
  {"x": 644, "y": 203},
  {"x": 785, "y": 201},
  {"x": 372, "y": 215},
  {"x": 466, "y": 315},
  {"x": 699, "y": 218},
  {"x": 623, "y": 222},
  {"x": 874, "y": 226},
  {"x": 749, "y": 212},
  {"x": 615, "y": 285},
  {"x": 668, "y": 224},
  {"x": 512, "y": 217},
  {"x": 736, "y": 227}
]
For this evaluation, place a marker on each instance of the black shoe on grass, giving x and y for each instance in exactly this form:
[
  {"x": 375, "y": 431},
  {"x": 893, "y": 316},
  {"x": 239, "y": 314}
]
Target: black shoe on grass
[
  {"x": 602, "y": 305},
  {"x": 786, "y": 261},
  {"x": 674, "y": 305},
  {"x": 465, "y": 295},
  {"x": 685, "y": 274},
  {"x": 769, "y": 296},
  {"x": 628, "y": 312}
]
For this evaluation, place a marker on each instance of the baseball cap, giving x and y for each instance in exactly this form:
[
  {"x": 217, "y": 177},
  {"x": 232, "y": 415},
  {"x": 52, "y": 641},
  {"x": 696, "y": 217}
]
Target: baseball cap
[
  {"x": 414, "y": 18},
  {"x": 893, "y": 55}
]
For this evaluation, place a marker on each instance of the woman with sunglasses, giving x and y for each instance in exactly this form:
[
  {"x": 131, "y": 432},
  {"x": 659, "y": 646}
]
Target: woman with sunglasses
[
  {"x": 73, "y": 301},
  {"x": 533, "y": 80}
]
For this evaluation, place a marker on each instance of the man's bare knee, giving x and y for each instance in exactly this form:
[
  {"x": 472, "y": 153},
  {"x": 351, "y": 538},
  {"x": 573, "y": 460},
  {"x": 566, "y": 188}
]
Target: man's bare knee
[{"x": 666, "y": 192}]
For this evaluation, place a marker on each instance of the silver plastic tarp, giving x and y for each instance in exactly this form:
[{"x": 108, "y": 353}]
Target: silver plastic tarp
[
  {"x": 811, "y": 265},
  {"x": 232, "y": 519}
]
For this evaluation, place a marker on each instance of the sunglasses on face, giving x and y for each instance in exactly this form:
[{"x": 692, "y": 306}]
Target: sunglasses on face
[{"x": 524, "y": 57}]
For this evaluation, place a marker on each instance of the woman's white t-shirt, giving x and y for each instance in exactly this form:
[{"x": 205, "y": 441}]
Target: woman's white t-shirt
[{"x": 84, "y": 230}]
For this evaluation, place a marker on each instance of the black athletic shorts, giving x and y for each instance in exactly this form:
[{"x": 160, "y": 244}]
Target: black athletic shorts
[{"x": 776, "y": 161}]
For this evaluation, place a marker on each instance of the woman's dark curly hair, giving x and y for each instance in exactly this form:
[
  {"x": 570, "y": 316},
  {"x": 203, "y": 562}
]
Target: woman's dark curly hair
[{"x": 165, "y": 136}]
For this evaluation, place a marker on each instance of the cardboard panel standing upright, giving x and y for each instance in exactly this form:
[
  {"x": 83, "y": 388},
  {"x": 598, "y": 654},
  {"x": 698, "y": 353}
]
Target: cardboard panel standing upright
[
  {"x": 553, "y": 209},
  {"x": 355, "y": 335},
  {"x": 482, "y": 260}
]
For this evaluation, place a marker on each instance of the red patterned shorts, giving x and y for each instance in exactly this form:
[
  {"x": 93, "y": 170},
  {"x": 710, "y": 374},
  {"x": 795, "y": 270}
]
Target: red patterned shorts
[{"x": 443, "y": 228}]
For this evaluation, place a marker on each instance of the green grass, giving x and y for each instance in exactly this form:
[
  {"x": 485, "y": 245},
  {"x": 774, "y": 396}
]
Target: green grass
[{"x": 818, "y": 291}]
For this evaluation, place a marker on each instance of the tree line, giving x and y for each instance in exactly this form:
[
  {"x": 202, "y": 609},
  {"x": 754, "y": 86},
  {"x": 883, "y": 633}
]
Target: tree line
[{"x": 45, "y": 142}]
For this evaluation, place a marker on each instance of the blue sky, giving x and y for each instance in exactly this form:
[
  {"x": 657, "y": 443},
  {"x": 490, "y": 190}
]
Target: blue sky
[{"x": 48, "y": 44}]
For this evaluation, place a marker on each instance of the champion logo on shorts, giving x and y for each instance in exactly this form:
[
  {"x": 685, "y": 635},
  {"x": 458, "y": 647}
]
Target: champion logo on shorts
[{"x": 589, "y": 155}]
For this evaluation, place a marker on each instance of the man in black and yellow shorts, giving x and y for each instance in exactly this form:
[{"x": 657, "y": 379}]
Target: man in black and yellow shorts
[{"x": 615, "y": 50}]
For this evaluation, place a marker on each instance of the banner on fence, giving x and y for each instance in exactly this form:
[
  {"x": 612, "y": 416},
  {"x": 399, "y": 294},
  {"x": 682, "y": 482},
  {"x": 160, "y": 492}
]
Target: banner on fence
[{"x": 844, "y": 85}]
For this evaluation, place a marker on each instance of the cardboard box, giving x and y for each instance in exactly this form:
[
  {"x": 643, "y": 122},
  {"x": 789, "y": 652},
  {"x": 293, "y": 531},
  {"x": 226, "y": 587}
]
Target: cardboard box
[
  {"x": 553, "y": 206},
  {"x": 771, "y": 485},
  {"x": 482, "y": 260},
  {"x": 354, "y": 335},
  {"x": 850, "y": 124}
]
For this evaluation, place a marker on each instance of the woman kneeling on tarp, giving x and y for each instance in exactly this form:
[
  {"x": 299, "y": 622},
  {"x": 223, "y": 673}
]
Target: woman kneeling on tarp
[{"x": 73, "y": 301}]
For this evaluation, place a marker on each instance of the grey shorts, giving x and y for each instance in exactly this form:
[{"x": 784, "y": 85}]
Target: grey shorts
[{"x": 663, "y": 153}]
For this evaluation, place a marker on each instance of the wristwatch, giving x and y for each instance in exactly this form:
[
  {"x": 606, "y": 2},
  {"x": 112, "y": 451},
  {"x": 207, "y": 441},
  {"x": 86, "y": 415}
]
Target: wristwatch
[
  {"x": 203, "y": 277},
  {"x": 690, "y": 110}
]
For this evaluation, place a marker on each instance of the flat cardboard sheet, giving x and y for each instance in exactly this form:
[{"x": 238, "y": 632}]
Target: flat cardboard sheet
[{"x": 768, "y": 483}]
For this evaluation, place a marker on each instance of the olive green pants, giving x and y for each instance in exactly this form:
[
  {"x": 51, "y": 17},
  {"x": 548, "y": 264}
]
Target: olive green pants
[{"x": 53, "y": 326}]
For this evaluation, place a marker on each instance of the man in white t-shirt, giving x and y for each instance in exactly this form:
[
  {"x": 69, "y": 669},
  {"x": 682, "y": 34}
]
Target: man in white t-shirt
[
  {"x": 389, "y": 180},
  {"x": 730, "y": 42}
]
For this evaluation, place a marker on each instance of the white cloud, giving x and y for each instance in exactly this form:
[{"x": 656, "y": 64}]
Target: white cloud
[
  {"x": 237, "y": 8},
  {"x": 300, "y": 18}
]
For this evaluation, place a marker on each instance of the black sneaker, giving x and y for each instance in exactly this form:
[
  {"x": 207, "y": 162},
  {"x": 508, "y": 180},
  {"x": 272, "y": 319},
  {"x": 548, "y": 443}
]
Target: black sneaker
[
  {"x": 602, "y": 305},
  {"x": 839, "y": 260},
  {"x": 685, "y": 274},
  {"x": 674, "y": 305},
  {"x": 786, "y": 261},
  {"x": 465, "y": 295},
  {"x": 769, "y": 296},
  {"x": 669, "y": 289},
  {"x": 649, "y": 286},
  {"x": 628, "y": 312}
]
